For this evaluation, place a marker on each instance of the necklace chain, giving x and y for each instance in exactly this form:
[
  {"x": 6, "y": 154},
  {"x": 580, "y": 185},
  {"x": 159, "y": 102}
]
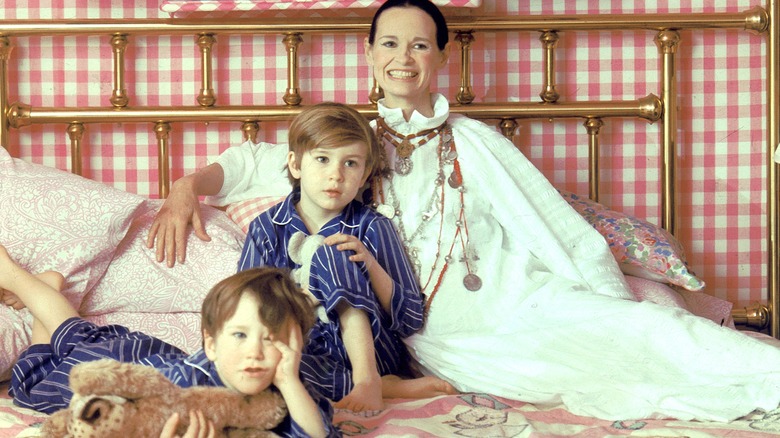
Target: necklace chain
[
  {"x": 403, "y": 143},
  {"x": 447, "y": 155}
]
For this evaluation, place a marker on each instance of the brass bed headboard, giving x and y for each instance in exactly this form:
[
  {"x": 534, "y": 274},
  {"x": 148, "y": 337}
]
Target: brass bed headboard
[{"x": 762, "y": 20}]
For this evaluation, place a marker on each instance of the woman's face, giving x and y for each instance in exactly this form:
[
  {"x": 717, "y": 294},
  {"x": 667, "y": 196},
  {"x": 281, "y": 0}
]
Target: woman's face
[{"x": 405, "y": 59}]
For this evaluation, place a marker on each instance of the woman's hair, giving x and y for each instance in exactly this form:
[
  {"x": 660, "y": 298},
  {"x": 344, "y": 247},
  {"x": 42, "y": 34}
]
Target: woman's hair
[
  {"x": 442, "y": 33},
  {"x": 327, "y": 125},
  {"x": 278, "y": 295}
]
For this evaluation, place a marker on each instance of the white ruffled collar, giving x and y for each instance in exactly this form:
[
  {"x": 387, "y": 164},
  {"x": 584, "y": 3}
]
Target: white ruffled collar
[{"x": 394, "y": 117}]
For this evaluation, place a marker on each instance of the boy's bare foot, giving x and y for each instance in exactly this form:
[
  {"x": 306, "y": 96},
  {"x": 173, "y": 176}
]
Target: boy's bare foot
[
  {"x": 8, "y": 267},
  {"x": 419, "y": 387},
  {"x": 11, "y": 300},
  {"x": 363, "y": 397}
]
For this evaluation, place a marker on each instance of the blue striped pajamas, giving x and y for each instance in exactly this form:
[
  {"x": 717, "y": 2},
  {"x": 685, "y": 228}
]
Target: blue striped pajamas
[
  {"x": 335, "y": 279},
  {"x": 40, "y": 376}
]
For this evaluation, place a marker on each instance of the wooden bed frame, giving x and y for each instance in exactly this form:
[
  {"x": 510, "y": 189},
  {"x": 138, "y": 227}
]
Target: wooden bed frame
[{"x": 654, "y": 107}]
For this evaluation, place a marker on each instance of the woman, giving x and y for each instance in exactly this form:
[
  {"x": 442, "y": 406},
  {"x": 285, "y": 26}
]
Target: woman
[{"x": 524, "y": 299}]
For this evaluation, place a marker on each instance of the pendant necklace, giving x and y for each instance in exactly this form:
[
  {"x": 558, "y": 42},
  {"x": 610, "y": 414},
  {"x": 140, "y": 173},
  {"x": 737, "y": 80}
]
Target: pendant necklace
[
  {"x": 447, "y": 155},
  {"x": 403, "y": 143}
]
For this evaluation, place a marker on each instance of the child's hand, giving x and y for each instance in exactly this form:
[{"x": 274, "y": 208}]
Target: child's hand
[
  {"x": 348, "y": 242},
  {"x": 199, "y": 427},
  {"x": 289, "y": 364}
]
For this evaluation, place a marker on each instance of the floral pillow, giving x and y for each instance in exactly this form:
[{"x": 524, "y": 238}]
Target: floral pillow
[
  {"x": 641, "y": 248},
  {"x": 136, "y": 282},
  {"x": 55, "y": 220}
]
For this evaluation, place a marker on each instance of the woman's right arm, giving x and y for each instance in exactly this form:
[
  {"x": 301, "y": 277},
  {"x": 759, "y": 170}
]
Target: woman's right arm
[
  {"x": 241, "y": 172},
  {"x": 182, "y": 207}
]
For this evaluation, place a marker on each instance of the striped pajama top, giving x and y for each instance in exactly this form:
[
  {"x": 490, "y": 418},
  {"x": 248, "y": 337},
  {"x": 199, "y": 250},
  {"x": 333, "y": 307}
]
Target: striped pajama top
[{"x": 335, "y": 279}]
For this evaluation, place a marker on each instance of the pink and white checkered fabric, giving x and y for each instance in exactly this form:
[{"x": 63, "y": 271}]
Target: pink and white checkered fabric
[
  {"x": 184, "y": 6},
  {"x": 721, "y": 85}
]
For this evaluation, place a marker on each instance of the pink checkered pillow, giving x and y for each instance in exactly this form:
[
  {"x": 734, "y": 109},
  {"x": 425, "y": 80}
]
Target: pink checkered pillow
[{"x": 244, "y": 212}]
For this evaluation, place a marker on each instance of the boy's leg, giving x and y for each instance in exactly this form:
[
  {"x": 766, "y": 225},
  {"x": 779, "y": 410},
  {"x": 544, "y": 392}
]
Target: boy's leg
[
  {"x": 366, "y": 393},
  {"x": 40, "y": 294}
]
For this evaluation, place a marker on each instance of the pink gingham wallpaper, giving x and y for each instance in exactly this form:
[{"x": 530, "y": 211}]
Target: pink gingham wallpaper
[{"x": 721, "y": 136}]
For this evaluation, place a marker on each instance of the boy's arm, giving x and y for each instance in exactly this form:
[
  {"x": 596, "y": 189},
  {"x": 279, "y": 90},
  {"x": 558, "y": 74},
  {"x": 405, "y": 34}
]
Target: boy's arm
[
  {"x": 303, "y": 410},
  {"x": 390, "y": 273}
]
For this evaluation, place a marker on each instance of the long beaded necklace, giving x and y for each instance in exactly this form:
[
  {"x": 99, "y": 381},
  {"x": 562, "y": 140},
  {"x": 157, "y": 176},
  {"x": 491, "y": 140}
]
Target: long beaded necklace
[
  {"x": 403, "y": 143},
  {"x": 447, "y": 155}
]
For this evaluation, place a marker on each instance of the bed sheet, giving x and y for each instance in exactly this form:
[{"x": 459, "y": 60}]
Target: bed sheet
[{"x": 475, "y": 415}]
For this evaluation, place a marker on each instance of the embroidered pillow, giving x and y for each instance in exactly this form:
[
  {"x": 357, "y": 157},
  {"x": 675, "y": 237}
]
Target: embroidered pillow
[
  {"x": 136, "y": 282},
  {"x": 55, "y": 220},
  {"x": 641, "y": 248},
  {"x": 244, "y": 212}
]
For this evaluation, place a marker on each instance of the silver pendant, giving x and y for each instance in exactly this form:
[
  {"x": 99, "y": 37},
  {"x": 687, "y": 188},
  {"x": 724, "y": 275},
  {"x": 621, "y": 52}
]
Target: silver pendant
[
  {"x": 472, "y": 282},
  {"x": 403, "y": 166},
  {"x": 386, "y": 210}
]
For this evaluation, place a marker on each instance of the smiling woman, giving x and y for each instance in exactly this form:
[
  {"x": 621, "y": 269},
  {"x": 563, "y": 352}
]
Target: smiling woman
[
  {"x": 467, "y": 205},
  {"x": 452, "y": 188},
  {"x": 405, "y": 53}
]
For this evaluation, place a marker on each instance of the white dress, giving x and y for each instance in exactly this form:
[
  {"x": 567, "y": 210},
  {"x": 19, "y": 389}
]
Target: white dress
[{"x": 553, "y": 320}]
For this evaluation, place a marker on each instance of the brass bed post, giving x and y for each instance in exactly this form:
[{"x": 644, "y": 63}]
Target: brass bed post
[
  {"x": 465, "y": 94},
  {"x": 291, "y": 42},
  {"x": 75, "y": 133},
  {"x": 206, "y": 96},
  {"x": 161, "y": 130},
  {"x": 119, "y": 97},
  {"x": 549, "y": 40},
  {"x": 508, "y": 127},
  {"x": 773, "y": 182},
  {"x": 5, "y": 54},
  {"x": 593, "y": 125},
  {"x": 667, "y": 41},
  {"x": 250, "y": 130}
]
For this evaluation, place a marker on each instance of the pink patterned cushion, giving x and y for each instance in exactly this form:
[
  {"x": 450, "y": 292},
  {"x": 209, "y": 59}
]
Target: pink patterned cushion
[
  {"x": 54, "y": 220},
  {"x": 244, "y": 212},
  {"x": 136, "y": 282},
  {"x": 641, "y": 248}
]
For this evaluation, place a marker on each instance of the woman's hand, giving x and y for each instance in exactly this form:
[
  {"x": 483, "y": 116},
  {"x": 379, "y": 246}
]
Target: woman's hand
[
  {"x": 169, "y": 228},
  {"x": 199, "y": 427},
  {"x": 348, "y": 242}
]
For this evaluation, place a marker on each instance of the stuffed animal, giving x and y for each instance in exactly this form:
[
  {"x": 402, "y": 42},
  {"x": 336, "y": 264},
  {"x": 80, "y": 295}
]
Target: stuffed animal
[
  {"x": 301, "y": 249},
  {"x": 116, "y": 399}
]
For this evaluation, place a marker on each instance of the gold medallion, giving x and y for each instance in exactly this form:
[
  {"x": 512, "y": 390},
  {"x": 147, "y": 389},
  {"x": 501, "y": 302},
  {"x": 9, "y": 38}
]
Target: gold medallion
[{"x": 405, "y": 149}]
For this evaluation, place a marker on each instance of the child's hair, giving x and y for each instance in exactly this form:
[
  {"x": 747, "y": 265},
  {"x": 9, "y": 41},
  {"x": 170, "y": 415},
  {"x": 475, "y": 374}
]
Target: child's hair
[
  {"x": 331, "y": 124},
  {"x": 278, "y": 295}
]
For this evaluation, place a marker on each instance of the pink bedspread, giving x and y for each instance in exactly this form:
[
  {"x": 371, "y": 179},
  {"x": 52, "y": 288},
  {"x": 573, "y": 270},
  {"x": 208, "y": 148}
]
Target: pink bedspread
[{"x": 475, "y": 415}]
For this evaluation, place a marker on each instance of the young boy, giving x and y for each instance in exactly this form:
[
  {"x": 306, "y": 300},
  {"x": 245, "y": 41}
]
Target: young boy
[
  {"x": 252, "y": 326},
  {"x": 360, "y": 276}
]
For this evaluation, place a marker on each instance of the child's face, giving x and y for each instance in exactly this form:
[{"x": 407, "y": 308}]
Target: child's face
[
  {"x": 243, "y": 351},
  {"x": 330, "y": 178}
]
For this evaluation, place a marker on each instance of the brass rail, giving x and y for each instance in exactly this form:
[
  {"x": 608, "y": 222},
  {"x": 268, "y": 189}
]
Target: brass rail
[
  {"x": 756, "y": 19},
  {"x": 651, "y": 108}
]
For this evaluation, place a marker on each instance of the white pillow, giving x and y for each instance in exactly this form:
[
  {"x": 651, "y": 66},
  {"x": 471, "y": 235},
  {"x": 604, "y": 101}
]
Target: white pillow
[
  {"x": 55, "y": 220},
  {"x": 136, "y": 282}
]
